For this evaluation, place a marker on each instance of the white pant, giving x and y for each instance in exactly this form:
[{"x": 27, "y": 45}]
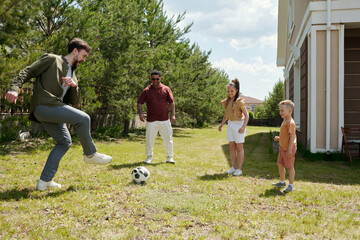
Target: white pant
[{"x": 164, "y": 127}]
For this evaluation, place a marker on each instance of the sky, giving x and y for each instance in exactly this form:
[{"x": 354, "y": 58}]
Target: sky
[{"x": 242, "y": 37}]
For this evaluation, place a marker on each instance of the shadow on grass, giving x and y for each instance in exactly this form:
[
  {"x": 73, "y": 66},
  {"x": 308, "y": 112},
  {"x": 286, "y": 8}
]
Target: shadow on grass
[
  {"x": 19, "y": 194},
  {"x": 140, "y": 134},
  {"x": 132, "y": 183},
  {"x": 133, "y": 165},
  {"x": 136, "y": 135},
  {"x": 181, "y": 133},
  {"x": 27, "y": 146},
  {"x": 15, "y": 194},
  {"x": 217, "y": 176},
  {"x": 260, "y": 162},
  {"x": 47, "y": 144},
  {"x": 272, "y": 192}
]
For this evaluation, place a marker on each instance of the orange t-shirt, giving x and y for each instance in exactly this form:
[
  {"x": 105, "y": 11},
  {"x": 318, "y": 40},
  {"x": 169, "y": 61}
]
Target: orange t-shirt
[
  {"x": 287, "y": 128},
  {"x": 233, "y": 110}
]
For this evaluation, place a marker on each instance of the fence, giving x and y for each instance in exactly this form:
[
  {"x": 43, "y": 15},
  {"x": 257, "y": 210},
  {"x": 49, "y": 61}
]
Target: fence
[
  {"x": 19, "y": 108},
  {"x": 265, "y": 122},
  {"x": 102, "y": 118}
]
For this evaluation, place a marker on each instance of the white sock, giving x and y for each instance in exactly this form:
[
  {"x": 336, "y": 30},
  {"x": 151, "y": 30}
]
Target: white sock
[
  {"x": 281, "y": 181},
  {"x": 291, "y": 185}
]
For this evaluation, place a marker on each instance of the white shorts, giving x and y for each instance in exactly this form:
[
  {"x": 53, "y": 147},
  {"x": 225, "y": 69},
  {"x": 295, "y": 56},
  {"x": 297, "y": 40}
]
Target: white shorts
[{"x": 232, "y": 131}]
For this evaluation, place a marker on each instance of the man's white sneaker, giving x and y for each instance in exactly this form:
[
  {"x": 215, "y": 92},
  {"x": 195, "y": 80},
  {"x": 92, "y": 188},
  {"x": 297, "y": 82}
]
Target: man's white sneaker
[
  {"x": 98, "y": 158},
  {"x": 42, "y": 185},
  {"x": 148, "y": 159},
  {"x": 170, "y": 160},
  {"x": 237, "y": 172},
  {"x": 231, "y": 170}
]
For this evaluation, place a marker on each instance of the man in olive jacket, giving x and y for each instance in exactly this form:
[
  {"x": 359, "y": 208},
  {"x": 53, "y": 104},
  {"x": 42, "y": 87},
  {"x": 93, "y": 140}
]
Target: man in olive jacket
[{"x": 55, "y": 87}]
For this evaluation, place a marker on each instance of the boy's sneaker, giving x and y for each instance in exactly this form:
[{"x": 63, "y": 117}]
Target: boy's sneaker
[
  {"x": 148, "y": 159},
  {"x": 170, "y": 160},
  {"x": 279, "y": 184},
  {"x": 42, "y": 185},
  {"x": 237, "y": 172},
  {"x": 98, "y": 158},
  {"x": 289, "y": 189},
  {"x": 231, "y": 170}
]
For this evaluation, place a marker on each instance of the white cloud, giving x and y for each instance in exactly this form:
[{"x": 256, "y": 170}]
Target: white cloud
[
  {"x": 257, "y": 67},
  {"x": 227, "y": 19},
  {"x": 221, "y": 19},
  {"x": 268, "y": 41},
  {"x": 234, "y": 17},
  {"x": 266, "y": 80},
  {"x": 243, "y": 43},
  {"x": 225, "y": 26},
  {"x": 264, "y": 42}
]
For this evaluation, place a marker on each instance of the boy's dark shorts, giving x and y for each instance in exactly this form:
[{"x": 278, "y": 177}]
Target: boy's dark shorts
[{"x": 288, "y": 162}]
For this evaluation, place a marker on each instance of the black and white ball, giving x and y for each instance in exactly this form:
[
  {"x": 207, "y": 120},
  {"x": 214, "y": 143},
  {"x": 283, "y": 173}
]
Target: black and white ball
[{"x": 140, "y": 175}]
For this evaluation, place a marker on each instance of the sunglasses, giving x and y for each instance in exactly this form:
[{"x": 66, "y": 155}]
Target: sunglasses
[{"x": 155, "y": 79}]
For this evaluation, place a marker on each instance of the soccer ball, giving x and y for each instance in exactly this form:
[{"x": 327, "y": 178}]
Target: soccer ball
[{"x": 140, "y": 175}]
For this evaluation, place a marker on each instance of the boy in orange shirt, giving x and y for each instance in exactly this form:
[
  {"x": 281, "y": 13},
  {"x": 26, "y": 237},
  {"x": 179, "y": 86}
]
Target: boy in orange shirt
[{"x": 287, "y": 146}]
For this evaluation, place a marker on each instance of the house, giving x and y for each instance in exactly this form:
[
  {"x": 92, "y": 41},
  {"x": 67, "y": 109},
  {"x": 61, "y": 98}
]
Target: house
[
  {"x": 251, "y": 103},
  {"x": 319, "y": 49}
]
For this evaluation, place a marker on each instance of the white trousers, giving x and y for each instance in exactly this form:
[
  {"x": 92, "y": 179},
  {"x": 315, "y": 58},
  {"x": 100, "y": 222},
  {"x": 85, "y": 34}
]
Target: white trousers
[{"x": 152, "y": 129}]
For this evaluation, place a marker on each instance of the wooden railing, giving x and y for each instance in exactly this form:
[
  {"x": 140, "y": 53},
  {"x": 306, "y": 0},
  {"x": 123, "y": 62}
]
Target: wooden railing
[{"x": 19, "y": 108}]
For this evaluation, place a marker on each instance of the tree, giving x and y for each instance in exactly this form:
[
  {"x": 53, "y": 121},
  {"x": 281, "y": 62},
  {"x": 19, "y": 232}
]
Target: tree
[
  {"x": 260, "y": 112},
  {"x": 135, "y": 37},
  {"x": 271, "y": 103},
  {"x": 198, "y": 89},
  {"x": 129, "y": 38},
  {"x": 251, "y": 115},
  {"x": 28, "y": 29},
  {"x": 14, "y": 16}
]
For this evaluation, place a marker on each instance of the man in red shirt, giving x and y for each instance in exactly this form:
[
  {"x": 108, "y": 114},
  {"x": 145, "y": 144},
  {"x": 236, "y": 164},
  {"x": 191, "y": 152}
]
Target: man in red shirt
[{"x": 157, "y": 96}]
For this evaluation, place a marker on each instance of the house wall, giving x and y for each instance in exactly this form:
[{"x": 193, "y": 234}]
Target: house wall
[
  {"x": 334, "y": 90},
  {"x": 291, "y": 84},
  {"x": 310, "y": 122},
  {"x": 286, "y": 88},
  {"x": 300, "y": 9},
  {"x": 297, "y": 91},
  {"x": 252, "y": 106},
  {"x": 352, "y": 78},
  {"x": 302, "y": 132},
  {"x": 321, "y": 89}
]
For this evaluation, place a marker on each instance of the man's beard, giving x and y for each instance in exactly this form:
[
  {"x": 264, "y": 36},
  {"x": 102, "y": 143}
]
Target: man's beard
[{"x": 74, "y": 65}]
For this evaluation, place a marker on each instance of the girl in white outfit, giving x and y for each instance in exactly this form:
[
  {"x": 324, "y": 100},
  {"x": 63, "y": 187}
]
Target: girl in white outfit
[{"x": 238, "y": 117}]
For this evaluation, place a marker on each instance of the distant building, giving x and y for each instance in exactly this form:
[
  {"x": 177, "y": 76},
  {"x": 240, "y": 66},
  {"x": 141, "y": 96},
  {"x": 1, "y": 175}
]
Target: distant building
[{"x": 251, "y": 103}]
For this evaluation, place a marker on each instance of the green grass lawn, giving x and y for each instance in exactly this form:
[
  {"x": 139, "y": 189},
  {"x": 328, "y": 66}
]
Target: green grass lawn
[{"x": 193, "y": 199}]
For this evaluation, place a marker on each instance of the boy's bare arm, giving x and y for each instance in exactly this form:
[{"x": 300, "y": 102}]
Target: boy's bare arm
[{"x": 291, "y": 144}]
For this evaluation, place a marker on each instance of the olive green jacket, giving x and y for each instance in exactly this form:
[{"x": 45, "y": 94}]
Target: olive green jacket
[{"x": 47, "y": 88}]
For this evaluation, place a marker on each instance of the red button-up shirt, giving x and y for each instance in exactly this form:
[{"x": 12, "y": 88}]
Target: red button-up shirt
[{"x": 157, "y": 100}]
